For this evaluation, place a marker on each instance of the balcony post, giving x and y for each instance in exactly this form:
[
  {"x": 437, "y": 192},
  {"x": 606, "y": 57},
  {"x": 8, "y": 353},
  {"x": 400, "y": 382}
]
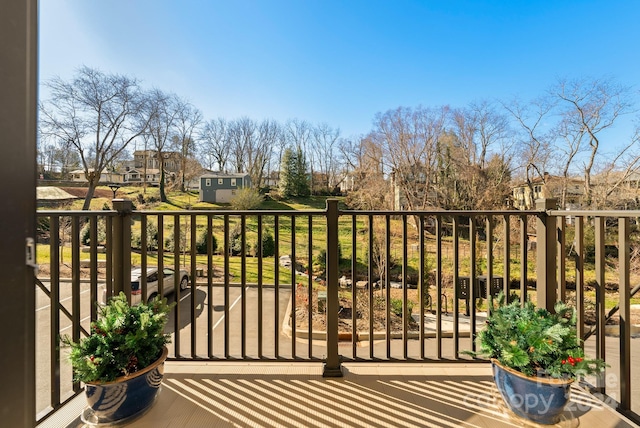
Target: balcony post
[
  {"x": 18, "y": 125},
  {"x": 546, "y": 260},
  {"x": 121, "y": 251},
  {"x": 332, "y": 363}
]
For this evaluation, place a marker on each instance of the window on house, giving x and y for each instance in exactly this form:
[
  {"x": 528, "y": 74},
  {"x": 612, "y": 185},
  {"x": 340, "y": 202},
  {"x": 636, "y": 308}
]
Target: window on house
[
  {"x": 233, "y": 182},
  {"x": 220, "y": 180},
  {"x": 207, "y": 182}
]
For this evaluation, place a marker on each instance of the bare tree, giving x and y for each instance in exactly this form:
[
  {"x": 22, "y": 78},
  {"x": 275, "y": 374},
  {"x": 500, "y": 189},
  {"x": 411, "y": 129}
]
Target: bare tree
[
  {"x": 370, "y": 187},
  {"x": 409, "y": 140},
  {"x": 97, "y": 114},
  {"x": 276, "y": 139},
  {"x": 618, "y": 184},
  {"x": 252, "y": 145},
  {"x": 191, "y": 169},
  {"x": 492, "y": 129},
  {"x": 325, "y": 142},
  {"x": 240, "y": 137},
  {"x": 213, "y": 144},
  {"x": 261, "y": 155},
  {"x": 474, "y": 159},
  {"x": 57, "y": 158},
  {"x": 536, "y": 142},
  {"x": 188, "y": 120},
  {"x": 587, "y": 108},
  {"x": 562, "y": 133},
  {"x": 162, "y": 113}
]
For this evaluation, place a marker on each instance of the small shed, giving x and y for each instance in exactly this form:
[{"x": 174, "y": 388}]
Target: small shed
[
  {"x": 53, "y": 196},
  {"x": 221, "y": 188}
]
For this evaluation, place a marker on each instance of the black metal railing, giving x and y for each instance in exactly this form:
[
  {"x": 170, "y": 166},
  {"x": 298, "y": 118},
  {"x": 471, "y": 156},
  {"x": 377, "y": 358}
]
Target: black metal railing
[{"x": 293, "y": 285}]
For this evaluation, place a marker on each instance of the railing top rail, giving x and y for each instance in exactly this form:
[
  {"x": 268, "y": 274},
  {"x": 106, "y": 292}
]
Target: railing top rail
[
  {"x": 596, "y": 213},
  {"x": 442, "y": 212},
  {"x": 72, "y": 213},
  {"x": 232, "y": 212},
  {"x": 559, "y": 213}
]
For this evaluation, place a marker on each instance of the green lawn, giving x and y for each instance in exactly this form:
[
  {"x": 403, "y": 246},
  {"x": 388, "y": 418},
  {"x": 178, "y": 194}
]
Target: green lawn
[{"x": 149, "y": 200}]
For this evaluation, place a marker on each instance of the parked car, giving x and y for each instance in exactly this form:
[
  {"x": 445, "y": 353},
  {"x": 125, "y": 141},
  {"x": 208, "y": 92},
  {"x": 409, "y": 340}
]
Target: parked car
[{"x": 168, "y": 282}]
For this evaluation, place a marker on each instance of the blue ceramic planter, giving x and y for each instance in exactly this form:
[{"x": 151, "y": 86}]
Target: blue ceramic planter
[
  {"x": 124, "y": 398},
  {"x": 541, "y": 400}
]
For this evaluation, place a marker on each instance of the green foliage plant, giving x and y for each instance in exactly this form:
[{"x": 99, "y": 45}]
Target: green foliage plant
[
  {"x": 201, "y": 243},
  {"x": 235, "y": 240},
  {"x": 320, "y": 260},
  {"x": 85, "y": 233},
  {"x": 247, "y": 199},
  {"x": 397, "y": 307},
  {"x": 268, "y": 245},
  {"x": 535, "y": 341},
  {"x": 152, "y": 237},
  {"x": 124, "y": 339},
  {"x": 169, "y": 243}
]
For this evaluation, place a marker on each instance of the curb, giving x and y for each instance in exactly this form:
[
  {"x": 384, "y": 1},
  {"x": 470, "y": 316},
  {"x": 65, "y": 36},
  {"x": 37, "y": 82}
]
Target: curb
[
  {"x": 610, "y": 330},
  {"x": 614, "y": 330},
  {"x": 348, "y": 337}
]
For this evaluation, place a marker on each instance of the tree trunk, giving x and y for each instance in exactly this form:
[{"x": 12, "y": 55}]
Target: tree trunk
[
  {"x": 93, "y": 183},
  {"x": 163, "y": 195},
  {"x": 93, "y": 178}
]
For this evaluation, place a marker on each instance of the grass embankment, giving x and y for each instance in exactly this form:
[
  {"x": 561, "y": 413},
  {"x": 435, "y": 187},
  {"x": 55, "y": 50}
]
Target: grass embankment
[{"x": 149, "y": 200}]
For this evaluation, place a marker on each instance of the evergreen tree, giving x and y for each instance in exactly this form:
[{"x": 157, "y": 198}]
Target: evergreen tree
[
  {"x": 286, "y": 170},
  {"x": 302, "y": 177},
  {"x": 294, "y": 180}
]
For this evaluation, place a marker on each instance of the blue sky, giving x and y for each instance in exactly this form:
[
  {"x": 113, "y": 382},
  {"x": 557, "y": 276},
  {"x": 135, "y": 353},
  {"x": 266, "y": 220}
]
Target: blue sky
[{"x": 341, "y": 62}]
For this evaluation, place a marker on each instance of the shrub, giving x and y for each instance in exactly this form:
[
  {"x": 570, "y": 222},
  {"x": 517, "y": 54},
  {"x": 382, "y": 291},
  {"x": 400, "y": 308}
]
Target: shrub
[
  {"x": 235, "y": 240},
  {"x": 152, "y": 237},
  {"x": 268, "y": 245},
  {"x": 201, "y": 243},
  {"x": 321, "y": 259},
  {"x": 168, "y": 243},
  {"x": 247, "y": 199},
  {"x": 396, "y": 307},
  {"x": 276, "y": 195},
  {"x": 85, "y": 233}
]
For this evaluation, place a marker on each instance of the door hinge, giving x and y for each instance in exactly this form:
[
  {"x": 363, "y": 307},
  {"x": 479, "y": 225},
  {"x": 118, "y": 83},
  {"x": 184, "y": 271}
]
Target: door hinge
[{"x": 31, "y": 255}]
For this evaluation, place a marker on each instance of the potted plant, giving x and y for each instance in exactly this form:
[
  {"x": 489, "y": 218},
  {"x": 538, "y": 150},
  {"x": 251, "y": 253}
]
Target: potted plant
[
  {"x": 121, "y": 361},
  {"x": 535, "y": 356}
]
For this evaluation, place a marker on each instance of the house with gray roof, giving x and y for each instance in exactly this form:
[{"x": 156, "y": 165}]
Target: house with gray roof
[{"x": 221, "y": 187}]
